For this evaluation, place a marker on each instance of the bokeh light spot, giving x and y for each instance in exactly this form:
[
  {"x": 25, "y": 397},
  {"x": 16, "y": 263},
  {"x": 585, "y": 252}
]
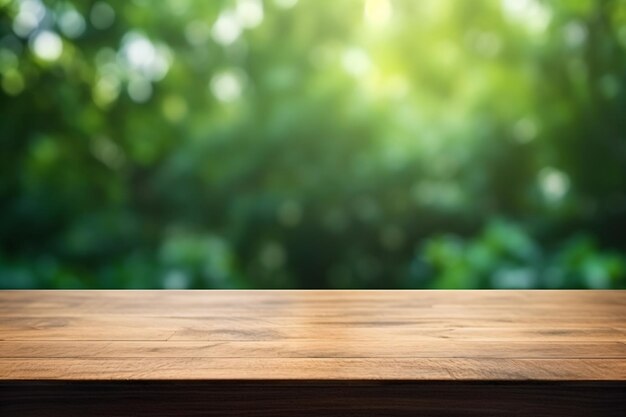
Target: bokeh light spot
[
  {"x": 554, "y": 184},
  {"x": 174, "y": 108},
  {"x": 227, "y": 86},
  {"x": 106, "y": 90},
  {"x": 525, "y": 130},
  {"x": 139, "y": 90},
  {"x": 226, "y": 28},
  {"x": 249, "y": 13},
  {"x": 47, "y": 46},
  {"x": 378, "y": 12},
  {"x": 29, "y": 16},
  {"x": 12, "y": 82},
  {"x": 102, "y": 15},
  {"x": 71, "y": 23},
  {"x": 143, "y": 57},
  {"x": 356, "y": 61}
]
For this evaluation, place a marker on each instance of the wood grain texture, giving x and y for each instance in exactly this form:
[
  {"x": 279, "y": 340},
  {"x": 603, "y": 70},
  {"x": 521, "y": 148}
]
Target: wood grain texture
[{"x": 391, "y": 348}]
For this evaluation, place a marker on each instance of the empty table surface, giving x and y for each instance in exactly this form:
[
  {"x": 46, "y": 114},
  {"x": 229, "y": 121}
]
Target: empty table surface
[{"x": 315, "y": 337}]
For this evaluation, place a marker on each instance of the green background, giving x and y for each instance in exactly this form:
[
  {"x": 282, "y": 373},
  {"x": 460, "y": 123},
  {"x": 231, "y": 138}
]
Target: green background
[{"x": 313, "y": 144}]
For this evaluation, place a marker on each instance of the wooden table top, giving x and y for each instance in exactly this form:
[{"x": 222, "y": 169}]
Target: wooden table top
[{"x": 313, "y": 335}]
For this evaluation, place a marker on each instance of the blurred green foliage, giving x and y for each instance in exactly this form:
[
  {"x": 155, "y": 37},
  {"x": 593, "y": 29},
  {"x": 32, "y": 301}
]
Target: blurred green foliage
[{"x": 313, "y": 144}]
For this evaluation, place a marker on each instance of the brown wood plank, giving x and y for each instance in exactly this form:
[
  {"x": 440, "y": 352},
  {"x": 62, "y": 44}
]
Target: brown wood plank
[
  {"x": 594, "y": 303},
  {"x": 162, "y": 329},
  {"x": 406, "y": 369},
  {"x": 316, "y": 348}
]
